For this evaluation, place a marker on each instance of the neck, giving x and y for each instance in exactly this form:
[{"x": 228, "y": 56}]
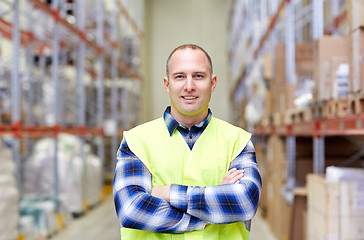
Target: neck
[{"x": 189, "y": 121}]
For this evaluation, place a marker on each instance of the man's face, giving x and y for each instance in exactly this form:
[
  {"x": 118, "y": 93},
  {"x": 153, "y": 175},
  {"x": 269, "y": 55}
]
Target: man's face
[{"x": 189, "y": 84}]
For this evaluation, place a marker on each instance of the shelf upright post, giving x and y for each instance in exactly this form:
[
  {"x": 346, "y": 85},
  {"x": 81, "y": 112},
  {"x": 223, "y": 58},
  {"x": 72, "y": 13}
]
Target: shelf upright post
[
  {"x": 125, "y": 104},
  {"x": 335, "y": 8},
  {"x": 114, "y": 84},
  {"x": 319, "y": 155},
  {"x": 298, "y": 29},
  {"x": 81, "y": 51},
  {"x": 318, "y": 140},
  {"x": 55, "y": 82},
  {"x": 317, "y": 19},
  {"x": 100, "y": 77},
  {"x": 273, "y": 8},
  {"x": 29, "y": 78},
  {"x": 291, "y": 167},
  {"x": 318, "y": 150},
  {"x": 124, "y": 98},
  {"x": 290, "y": 79},
  {"x": 290, "y": 43},
  {"x": 15, "y": 94}
]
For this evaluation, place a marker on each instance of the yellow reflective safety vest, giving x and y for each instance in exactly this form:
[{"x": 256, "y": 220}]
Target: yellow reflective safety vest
[{"x": 170, "y": 161}]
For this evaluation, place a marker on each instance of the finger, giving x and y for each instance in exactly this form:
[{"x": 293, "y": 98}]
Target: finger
[
  {"x": 234, "y": 174},
  {"x": 236, "y": 178},
  {"x": 232, "y": 178}
]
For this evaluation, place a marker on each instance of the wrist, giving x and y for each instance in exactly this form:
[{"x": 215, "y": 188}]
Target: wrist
[{"x": 178, "y": 197}]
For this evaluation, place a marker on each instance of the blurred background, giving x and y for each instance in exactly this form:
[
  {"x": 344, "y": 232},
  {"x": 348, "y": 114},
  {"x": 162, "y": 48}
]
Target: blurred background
[{"x": 75, "y": 74}]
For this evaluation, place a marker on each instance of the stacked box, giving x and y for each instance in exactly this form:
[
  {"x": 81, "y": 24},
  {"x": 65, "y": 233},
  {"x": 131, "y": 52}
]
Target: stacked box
[
  {"x": 355, "y": 16},
  {"x": 357, "y": 60},
  {"x": 282, "y": 101},
  {"x": 279, "y": 80},
  {"x": 335, "y": 209},
  {"x": 278, "y": 211},
  {"x": 325, "y": 49}
]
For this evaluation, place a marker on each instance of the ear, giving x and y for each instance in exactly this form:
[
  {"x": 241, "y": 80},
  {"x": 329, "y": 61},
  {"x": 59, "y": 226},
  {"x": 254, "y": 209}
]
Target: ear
[
  {"x": 213, "y": 83},
  {"x": 166, "y": 84}
]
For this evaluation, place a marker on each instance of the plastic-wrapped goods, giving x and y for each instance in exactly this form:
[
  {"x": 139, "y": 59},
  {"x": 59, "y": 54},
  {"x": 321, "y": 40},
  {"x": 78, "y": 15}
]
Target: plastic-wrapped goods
[
  {"x": 340, "y": 174},
  {"x": 79, "y": 179},
  {"x": 27, "y": 227},
  {"x": 38, "y": 217},
  {"x": 39, "y": 173},
  {"x": 71, "y": 183},
  {"x": 43, "y": 214},
  {"x": 93, "y": 179},
  {"x": 9, "y": 208}
]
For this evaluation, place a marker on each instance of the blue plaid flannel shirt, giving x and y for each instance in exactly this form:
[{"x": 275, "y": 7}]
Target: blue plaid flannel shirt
[{"x": 190, "y": 208}]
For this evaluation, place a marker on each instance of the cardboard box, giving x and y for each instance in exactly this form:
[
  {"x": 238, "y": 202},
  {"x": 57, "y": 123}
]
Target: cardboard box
[
  {"x": 335, "y": 209},
  {"x": 268, "y": 66},
  {"x": 325, "y": 49},
  {"x": 334, "y": 67},
  {"x": 284, "y": 100},
  {"x": 355, "y": 10},
  {"x": 280, "y": 64},
  {"x": 298, "y": 227},
  {"x": 352, "y": 210},
  {"x": 357, "y": 60},
  {"x": 278, "y": 211}
]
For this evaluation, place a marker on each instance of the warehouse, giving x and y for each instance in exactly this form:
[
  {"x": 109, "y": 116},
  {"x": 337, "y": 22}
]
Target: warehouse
[{"x": 76, "y": 76}]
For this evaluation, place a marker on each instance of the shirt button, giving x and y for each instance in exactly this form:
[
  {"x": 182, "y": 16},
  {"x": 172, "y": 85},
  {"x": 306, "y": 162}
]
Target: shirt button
[{"x": 190, "y": 136}]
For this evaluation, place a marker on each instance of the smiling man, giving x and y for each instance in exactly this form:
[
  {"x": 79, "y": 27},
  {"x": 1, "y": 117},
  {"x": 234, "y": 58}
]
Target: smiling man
[{"x": 187, "y": 175}]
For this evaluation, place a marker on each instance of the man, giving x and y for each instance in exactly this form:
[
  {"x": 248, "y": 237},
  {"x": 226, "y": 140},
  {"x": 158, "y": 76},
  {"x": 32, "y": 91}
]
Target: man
[{"x": 187, "y": 175}]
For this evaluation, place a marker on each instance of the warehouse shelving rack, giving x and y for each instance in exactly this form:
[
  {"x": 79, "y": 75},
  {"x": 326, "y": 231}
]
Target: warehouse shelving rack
[
  {"x": 289, "y": 29},
  {"x": 37, "y": 28},
  {"x": 255, "y": 28}
]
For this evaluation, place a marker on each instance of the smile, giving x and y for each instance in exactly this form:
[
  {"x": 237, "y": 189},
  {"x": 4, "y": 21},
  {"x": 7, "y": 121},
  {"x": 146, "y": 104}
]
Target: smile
[{"x": 189, "y": 98}]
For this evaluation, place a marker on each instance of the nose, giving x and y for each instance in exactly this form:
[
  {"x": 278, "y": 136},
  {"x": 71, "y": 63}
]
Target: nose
[{"x": 190, "y": 84}]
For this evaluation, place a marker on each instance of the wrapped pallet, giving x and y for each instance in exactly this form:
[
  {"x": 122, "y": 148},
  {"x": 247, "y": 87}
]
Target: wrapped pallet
[
  {"x": 72, "y": 172},
  {"x": 335, "y": 204},
  {"x": 9, "y": 196},
  {"x": 93, "y": 179}
]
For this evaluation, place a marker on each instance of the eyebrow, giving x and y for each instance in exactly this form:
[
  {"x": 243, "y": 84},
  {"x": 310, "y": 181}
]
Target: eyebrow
[
  {"x": 177, "y": 73},
  {"x": 198, "y": 72}
]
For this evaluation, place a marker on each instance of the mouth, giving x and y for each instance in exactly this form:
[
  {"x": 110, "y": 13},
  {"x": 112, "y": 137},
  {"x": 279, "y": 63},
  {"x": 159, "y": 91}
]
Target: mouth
[{"x": 189, "y": 97}]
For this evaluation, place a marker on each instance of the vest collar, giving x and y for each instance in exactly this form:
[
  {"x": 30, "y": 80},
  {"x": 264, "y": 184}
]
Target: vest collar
[{"x": 172, "y": 123}]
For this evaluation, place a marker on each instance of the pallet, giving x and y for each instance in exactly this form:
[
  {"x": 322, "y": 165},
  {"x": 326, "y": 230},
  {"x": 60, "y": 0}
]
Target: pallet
[
  {"x": 318, "y": 109},
  {"x": 356, "y": 104},
  {"x": 278, "y": 119},
  {"x": 303, "y": 115},
  {"x": 336, "y": 108}
]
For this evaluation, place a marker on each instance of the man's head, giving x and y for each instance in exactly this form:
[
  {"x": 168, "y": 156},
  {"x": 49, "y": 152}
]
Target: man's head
[
  {"x": 191, "y": 46},
  {"x": 189, "y": 83}
]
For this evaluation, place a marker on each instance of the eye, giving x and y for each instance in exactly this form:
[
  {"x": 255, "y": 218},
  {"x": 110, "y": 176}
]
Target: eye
[
  {"x": 199, "y": 76},
  {"x": 179, "y": 76}
]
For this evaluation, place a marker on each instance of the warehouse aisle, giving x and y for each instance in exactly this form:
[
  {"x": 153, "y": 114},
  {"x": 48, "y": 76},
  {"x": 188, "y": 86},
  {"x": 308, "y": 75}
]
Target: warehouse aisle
[
  {"x": 101, "y": 223},
  {"x": 260, "y": 229}
]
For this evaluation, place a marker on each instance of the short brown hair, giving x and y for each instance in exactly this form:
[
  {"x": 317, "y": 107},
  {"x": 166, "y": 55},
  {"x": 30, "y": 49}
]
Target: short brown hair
[{"x": 186, "y": 46}]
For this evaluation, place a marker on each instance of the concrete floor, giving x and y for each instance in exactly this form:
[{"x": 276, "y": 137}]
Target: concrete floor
[{"x": 101, "y": 223}]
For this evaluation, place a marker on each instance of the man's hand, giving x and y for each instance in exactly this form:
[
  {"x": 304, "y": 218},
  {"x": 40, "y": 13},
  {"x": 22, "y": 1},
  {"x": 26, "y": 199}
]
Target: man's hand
[
  {"x": 161, "y": 192},
  {"x": 232, "y": 176}
]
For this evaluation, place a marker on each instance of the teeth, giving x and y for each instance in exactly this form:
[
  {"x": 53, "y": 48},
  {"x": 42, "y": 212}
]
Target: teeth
[{"x": 189, "y": 98}]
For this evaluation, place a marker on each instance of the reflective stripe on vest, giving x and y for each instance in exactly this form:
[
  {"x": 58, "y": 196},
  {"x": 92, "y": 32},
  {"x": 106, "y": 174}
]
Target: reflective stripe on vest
[{"x": 170, "y": 161}]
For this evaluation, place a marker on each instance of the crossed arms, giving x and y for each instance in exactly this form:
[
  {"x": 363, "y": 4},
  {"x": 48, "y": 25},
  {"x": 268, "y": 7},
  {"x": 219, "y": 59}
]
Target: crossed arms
[{"x": 176, "y": 208}]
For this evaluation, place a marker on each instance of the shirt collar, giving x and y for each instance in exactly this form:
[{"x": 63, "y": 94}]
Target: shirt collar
[{"x": 172, "y": 123}]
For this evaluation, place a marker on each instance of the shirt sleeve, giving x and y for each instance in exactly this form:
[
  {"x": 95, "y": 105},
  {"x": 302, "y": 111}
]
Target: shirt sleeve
[
  {"x": 134, "y": 205},
  {"x": 227, "y": 203}
]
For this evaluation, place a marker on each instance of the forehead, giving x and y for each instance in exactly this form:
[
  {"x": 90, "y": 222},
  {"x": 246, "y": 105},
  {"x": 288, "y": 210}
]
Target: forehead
[{"x": 189, "y": 57}]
